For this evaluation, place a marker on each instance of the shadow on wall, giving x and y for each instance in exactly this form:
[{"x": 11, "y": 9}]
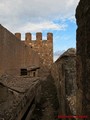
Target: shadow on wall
[{"x": 63, "y": 72}]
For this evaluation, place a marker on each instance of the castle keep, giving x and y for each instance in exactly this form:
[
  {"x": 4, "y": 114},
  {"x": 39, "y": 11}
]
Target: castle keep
[
  {"x": 44, "y": 48},
  {"x": 16, "y": 55},
  {"x": 64, "y": 91}
]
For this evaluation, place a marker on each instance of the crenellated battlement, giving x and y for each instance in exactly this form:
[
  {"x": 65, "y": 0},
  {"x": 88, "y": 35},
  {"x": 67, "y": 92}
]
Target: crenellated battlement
[
  {"x": 38, "y": 36},
  {"x": 18, "y": 35},
  {"x": 44, "y": 48},
  {"x": 28, "y": 36}
]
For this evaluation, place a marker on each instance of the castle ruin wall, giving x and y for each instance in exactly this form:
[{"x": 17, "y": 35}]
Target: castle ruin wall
[
  {"x": 14, "y": 54},
  {"x": 44, "y": 48}
]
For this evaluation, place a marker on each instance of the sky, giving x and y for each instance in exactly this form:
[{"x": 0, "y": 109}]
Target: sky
[{"x": 56, "y": 16}]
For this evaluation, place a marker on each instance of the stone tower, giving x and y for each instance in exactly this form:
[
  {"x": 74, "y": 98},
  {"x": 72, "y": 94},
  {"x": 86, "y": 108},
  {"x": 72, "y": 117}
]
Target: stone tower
[{"x": 44, "y": 48}]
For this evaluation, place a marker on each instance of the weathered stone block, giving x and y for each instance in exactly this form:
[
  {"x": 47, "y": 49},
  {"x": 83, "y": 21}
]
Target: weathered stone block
[{"x": 83, "y": 56}]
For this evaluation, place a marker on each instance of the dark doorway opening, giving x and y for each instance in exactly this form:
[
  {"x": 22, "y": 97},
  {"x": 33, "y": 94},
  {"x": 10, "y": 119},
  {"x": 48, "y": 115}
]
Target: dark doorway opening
[
  {"x": 23, "y": 72},
  {"x": 34, "y": 74}
]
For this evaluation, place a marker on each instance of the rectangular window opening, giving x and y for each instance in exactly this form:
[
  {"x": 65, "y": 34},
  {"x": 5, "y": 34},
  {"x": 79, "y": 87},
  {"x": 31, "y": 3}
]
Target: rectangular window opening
[{"x": 23, "y": 72}]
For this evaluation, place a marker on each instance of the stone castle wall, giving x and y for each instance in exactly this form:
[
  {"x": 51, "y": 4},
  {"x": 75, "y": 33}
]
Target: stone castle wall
[
  {"x": 83, "y": 57},
  {"x": 14, "y": 54},
  {"x": 44, "y": 48},
  {"x": 64, "y": 73}
]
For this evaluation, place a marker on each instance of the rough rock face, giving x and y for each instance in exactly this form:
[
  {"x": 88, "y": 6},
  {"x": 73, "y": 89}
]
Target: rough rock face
[
  {"x": 25, "y": 98},
  {"x": 48, "y": 106},
  {"x": 83, "y": 57},
  {"x": 64, "y": 73},
  {"x": 17, "y": 94}
]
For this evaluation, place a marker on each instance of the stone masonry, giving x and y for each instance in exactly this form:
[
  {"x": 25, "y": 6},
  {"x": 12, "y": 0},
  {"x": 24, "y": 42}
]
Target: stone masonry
[
  {"x": 83, "y": 57},
  {"x": 14, "y": 54},
  {"x": 21, "y": 89},
  {"x": 44, "y": 48},
  {"x": 64, "y": 73}
]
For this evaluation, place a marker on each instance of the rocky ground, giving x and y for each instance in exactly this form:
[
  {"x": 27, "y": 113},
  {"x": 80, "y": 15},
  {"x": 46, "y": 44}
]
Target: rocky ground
[{"x": 47, "y": 108}]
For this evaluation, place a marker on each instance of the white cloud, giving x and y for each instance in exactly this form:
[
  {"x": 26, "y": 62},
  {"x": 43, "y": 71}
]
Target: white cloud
[
  {"x": 23, "y": 13},
  {"x": 37, "y": 15},
  {"x": 38, "y": 27}
]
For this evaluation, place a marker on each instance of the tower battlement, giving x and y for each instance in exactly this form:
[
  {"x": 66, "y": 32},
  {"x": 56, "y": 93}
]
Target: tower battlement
[
  {"x": 18, "y": 35},
  {"x": 28, "y": 36},
  {"x": 44, "y": 48}
]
